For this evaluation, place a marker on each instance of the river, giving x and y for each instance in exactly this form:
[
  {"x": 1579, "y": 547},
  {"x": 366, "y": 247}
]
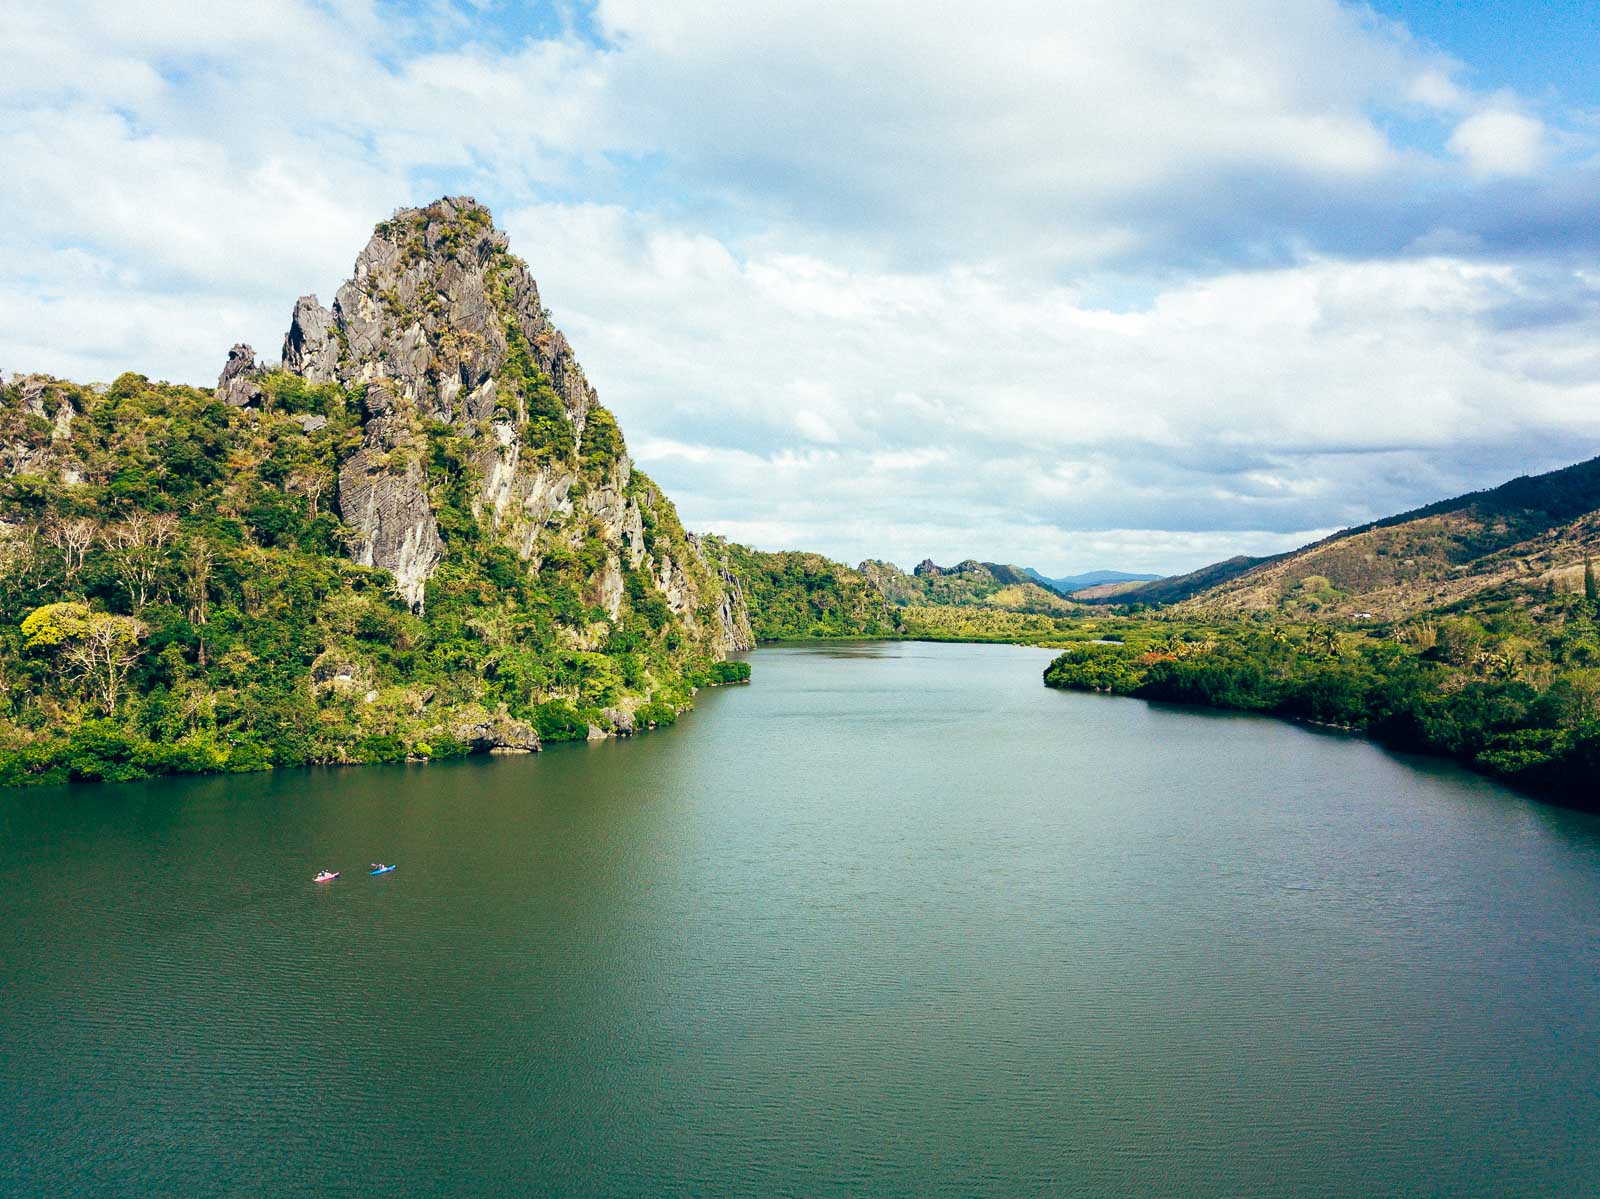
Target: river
[{"x": 892, "y": 920}]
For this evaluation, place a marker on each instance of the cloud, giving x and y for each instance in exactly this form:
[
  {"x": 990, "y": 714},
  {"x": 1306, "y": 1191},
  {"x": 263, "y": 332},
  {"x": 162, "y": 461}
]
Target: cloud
[
  {"x": 1500, "y": 142},
  {"x": 1179, "y": 279},
  {"x": 1249, "y": 408},
  {"x": 1435, "y": 89},
  {"x": 1028, "y": 134}
]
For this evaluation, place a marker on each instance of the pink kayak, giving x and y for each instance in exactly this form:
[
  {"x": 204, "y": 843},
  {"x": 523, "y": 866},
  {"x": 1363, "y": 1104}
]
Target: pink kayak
[{"x": 327, "y": 876}]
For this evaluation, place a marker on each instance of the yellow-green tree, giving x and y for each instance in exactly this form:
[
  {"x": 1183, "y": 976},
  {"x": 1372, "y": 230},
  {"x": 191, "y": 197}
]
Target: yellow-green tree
[{"x": 98, "y": 648}]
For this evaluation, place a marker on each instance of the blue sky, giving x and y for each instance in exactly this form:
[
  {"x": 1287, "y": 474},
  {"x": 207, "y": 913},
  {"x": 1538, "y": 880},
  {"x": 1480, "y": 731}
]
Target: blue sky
[
  {"x": 1067, "y": 284},
  {"x": 1536, "y": 47}
]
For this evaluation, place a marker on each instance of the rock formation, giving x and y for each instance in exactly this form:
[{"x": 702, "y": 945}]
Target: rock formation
[
  {"x": 46, "y": 448},
  {"x": 444, "y": 330},
  {"x": 495, "y": 732},
  {"x": 733, "y": 609},
  {"x": 237, "y": 386}
]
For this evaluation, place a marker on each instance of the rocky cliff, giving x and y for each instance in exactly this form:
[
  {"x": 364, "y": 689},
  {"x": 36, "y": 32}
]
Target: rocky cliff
[
  {"x": 794, "y": 595},
  {"x": 441, "y": 331},
  {"x": 36, "y": 432},
  {"x": 988, "y": 584}
]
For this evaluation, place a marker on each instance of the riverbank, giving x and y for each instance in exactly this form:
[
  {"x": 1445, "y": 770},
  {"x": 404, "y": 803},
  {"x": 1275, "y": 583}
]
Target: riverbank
[
  {"x": 1544, "y": 741},
  {"x": 108, "y": 751}
]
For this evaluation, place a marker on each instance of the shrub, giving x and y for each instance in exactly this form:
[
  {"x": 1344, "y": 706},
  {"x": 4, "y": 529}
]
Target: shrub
[
  {"x": 723, "y": 673},
  {"x": 558, "y": 720}
]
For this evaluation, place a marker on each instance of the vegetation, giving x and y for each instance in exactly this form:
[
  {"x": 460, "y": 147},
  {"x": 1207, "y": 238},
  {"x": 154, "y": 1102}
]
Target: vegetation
[
  {"x": 1539, "y": 529},
  {"x": 1509, "y": 683},
  {"x": 969, "y": 583},
  {"x": 970, "y": 622},
  {"x": 174, "y": 596},
  {"x": 799, "y": 596}
]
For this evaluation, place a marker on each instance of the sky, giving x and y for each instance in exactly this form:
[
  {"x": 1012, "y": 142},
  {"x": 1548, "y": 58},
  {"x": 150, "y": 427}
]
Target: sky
[{"x": 1072, "y": 284}]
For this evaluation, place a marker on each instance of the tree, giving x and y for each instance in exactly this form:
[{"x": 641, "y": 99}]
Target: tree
[
  {"x": 139, "y": 553},
  {"x": 72, "y": 537},
  {"x": 98, "y": 647},
  {"x": 198, "y": 564},
  {"x": 1591, "y": 591},
  {"x": 20, "y": 564},
  {"x": 1459, "y": 641},
  {"x": 1578, "y": 694},
  {"x": 312, "y": 482}
]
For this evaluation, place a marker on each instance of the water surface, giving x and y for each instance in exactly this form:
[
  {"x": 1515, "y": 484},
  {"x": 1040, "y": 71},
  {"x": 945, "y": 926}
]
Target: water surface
[{"x": 892, "y": 920}]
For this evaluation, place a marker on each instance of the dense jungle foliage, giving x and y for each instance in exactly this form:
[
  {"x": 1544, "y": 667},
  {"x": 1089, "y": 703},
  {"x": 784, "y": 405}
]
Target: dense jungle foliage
[
  {"x": 174, "y": 597},
  {"x": 1509, "y": 683},
  {"x": 966, "y": 584},
  {"x": 800, "y": 596},
  {"x": 967, "y": 622}
]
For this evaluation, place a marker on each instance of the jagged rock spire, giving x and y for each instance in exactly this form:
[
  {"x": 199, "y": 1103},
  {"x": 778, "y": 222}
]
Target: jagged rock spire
[
  {"x": 236, "y": 386},
  {"x": 440, "y": 323}
]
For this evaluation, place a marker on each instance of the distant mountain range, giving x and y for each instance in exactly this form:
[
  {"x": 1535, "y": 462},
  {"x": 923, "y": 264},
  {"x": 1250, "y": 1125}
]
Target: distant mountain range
[
  {"x": 1067, "y": 584},
  {"x": 1536, "y": 530}
]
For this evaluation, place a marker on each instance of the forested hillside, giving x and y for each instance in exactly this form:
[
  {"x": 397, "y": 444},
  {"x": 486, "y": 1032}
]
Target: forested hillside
[
  {"x": 421, "y": 537},
  {"x": 1508, "y": 682},
  {"x": 969, "y": 583},
  {"x": 1537, "y": 530},
  {"x": 795, "y": 596}
]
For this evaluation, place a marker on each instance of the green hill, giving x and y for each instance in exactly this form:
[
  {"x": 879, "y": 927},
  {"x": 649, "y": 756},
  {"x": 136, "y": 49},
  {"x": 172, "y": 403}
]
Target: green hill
[
  {"x": 1535, "y": 529},
  {"x": 969, "y": 583},
  {"x": 795, "y": 595},
  {"x": 421, "y": 536}
]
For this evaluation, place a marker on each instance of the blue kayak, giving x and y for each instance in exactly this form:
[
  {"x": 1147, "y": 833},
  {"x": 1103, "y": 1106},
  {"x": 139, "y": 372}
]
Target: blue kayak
[{"x": 381, "y": 870}]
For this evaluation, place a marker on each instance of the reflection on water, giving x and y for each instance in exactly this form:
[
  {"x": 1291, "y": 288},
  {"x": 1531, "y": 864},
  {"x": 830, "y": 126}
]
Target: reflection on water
[{"x": 894, "y": 919}]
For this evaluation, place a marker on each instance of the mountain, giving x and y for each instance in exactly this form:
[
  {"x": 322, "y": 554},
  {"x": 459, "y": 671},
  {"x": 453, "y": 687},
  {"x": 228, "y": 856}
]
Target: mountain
[
  {"x": 990, "y": 584},
  {"x": 794, "y": 595},
  {"x": 1067, "y": 584},
  {"x": 1532, "y": 531},
  {"x": 420, "y": 534},
  {"x": 1169, "y": 590},
  {"x": 443, "y": 330}
]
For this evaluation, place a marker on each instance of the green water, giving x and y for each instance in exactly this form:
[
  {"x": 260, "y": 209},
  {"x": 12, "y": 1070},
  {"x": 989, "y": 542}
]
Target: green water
[{"x": 892, "y": 920}]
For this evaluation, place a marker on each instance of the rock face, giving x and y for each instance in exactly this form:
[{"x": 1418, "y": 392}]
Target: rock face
[
  {"x": 237, "y": 386},
  {"x": 383, "y": 497},
  {"x": 495, "y": 732},
  {"x": 433, "y": 306},
  {"x": 733, "y": 609},
  {"x": 444, "y": 329},
  {"x": 46, "y": 447},
  {"x": 311, "y": 347}
]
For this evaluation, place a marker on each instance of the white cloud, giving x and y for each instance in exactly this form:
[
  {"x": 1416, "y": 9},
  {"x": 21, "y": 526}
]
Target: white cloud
[
  {"x": 1499, "y": 141},
  {"x": 984, "y": 414},
  {"x": 1434, "y": 88},
  {"x": 844, "y": 271},
  {"x": 1066, "y": 132}
]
